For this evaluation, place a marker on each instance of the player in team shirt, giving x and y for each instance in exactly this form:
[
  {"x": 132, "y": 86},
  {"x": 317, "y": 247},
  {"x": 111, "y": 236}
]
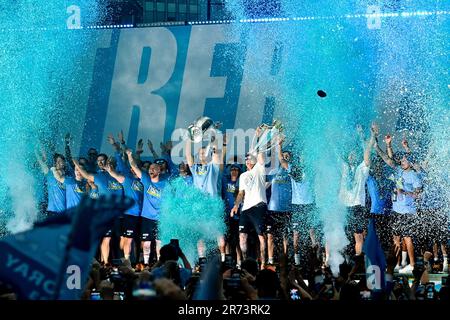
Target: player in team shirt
[
  {"x": 230, "y": 189},
  {"x": 76, "y": 187},
  {"x": 55, "y": 189},
  {"x": 106, "y": 185},
  {"x": 352, "y": 193},
  {"x": 206, "y": 175},
  {"x": 279, "y": 214},
  {"x": 151, "y": 209},
  {"x": 185, "y": 173},
  {"x": 407, "y": 189}
]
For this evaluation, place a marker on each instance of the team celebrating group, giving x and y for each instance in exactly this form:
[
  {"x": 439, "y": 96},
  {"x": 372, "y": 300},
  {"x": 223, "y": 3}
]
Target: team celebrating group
[{"x": 270, "y": 198}]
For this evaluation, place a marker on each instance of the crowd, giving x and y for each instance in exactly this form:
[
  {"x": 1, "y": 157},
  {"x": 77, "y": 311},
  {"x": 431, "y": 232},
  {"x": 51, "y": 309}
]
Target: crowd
[{"x": 273, "y": 247}]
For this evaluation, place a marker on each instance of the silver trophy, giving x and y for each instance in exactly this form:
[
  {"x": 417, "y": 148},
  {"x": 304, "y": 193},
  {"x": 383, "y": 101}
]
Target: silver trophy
[
  {"x": 268, "y": 137},
  {"x": 199, "y": 128}
]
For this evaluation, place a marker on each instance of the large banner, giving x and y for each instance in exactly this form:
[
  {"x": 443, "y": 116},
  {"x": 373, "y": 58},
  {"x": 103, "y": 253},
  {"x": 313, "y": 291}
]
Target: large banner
[{"x": 149, "y": 81}]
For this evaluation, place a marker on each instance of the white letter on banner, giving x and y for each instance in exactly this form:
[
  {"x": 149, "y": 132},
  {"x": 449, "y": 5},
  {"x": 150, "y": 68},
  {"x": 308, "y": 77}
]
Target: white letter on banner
[
  {"x": 373, "y": 273},
  {"x": 74, "y": 278},
  {"x": 126, "y": 92},
  {"x": 198, "y": 85},
  {"x": 373, "y": 17},
  {"x": 74, "y": 21}
]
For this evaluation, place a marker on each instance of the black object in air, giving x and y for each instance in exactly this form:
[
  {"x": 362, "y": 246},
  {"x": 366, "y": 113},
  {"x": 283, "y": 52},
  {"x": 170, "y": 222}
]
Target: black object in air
[{"x": 321, "y": 93}]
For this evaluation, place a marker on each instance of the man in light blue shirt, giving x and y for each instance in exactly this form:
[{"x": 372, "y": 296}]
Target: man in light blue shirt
[
  {"x": 408, "y": 186},
  {"x": 206, "y": 175},
  {"x": 279, "y": 208}
]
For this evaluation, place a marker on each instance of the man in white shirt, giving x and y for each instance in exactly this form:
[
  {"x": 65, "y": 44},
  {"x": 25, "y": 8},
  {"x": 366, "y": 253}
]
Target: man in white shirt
[
  {"x": 252, "y": 191},
  {"x": 353, "y": 193}
]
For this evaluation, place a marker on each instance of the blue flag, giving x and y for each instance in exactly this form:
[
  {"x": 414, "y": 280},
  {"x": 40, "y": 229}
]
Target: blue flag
[
  {"x": 52, "y": 261},
  {"x": 375, "y": 260}
]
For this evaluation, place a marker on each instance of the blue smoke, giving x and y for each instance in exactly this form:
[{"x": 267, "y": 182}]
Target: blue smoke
[{"x": 41, "y": 78}]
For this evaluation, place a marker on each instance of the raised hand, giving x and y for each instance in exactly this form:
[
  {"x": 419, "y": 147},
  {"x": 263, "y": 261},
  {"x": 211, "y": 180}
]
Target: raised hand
[
  {"x": 359, "y": 129},
  {"x": 108, "y": 167},
  {"x": 259, "y": 131},
  {"x": 162, "y": 146},
  {"x": 120, "y": 136},
  {"x": 281, "y": 140},
  {"x": 140, "y": 146},
  {"x": 388, "y": 139},
  {"x": 67, "y": 138},
  {"x": 42, "y": 151},
  {"x": 129, "y": 152},
  {"x": 149, "y": 144},
  {"x": 111, "y": 139},
  {"x": 405, "y": 145},
  {"x": 375, "y": 128}
]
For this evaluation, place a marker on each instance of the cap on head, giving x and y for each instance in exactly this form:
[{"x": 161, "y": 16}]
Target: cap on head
[{"x": 235, "y": 166}]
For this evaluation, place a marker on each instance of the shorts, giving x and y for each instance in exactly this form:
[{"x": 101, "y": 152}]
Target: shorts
[
  {"x": 253, "y": 217},
  {"x": 278, "y": 222},
  {"x": 149, "y": 229},
  {"x": 404, "y": 224},
  {"x": 357, "y": 220},
  {"x": 116, "y": 230},
  {"x": 303, "y": 216},
  {"x": 130, "y": 226}
]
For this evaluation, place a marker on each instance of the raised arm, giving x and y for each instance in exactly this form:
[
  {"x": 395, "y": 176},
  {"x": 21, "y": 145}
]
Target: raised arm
[
  {"x": 67, "y": 140},
  {"x": 389, "y": 150},
  {"x": 120, "y": 178},
  {"x": 113, "y": 143},
  {"x": 361, "y": 136},
  {"x": 374, "y": 131},
  {"x": 88, "y": 176},
  {"x": 189, "y": 157},
  {"x": 133, "y": 164},
  {"x": 57, "y": 174},
  {"x": 40, "y": 159},
  {"x": 216, "y": 156},
  {"x": 223, "y": 153},
  {"x": 284, "y": 164},
  {"x": 260, "y": 155},
  {"x": 139, "y": 149},
  {"x": 122, "y": 140},
  {"x": 389, "y": 161},
  {"x": 152, "y": 150},
  {"x": 405, "y": 145}
]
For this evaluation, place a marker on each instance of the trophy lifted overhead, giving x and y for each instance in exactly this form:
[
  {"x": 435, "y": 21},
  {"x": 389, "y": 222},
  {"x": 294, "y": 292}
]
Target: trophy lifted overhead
[
  {"x": 267, "y": 137},
  {"x": 199, "y": 127}
]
